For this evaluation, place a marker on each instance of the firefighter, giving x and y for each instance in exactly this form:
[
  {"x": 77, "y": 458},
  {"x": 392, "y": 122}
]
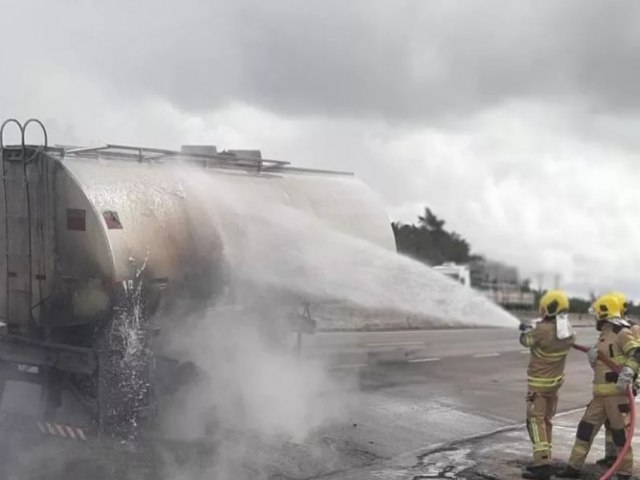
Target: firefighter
[
  {"x": 609, "y": 401},
  {"x": 610, "y": 453},
  {"x": 549, "y": 341}
]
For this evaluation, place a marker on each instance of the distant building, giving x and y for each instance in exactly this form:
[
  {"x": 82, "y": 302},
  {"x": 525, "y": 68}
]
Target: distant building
[
  {"x": 495, "y": 280},
  {"x": 489, "y": 273}
]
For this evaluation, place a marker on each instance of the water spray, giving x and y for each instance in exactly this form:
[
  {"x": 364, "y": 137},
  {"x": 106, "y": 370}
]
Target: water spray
[{"x": 632, "y": 413}]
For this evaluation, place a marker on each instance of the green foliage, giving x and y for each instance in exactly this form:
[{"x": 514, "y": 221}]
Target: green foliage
[
  {"x": 429, "y": 242},
  {"x": 634, "y": 310},
  {"x": 579, "y": 305}
]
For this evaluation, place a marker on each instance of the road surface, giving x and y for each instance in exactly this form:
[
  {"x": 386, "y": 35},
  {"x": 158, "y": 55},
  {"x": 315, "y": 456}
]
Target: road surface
[
  {"x": 418, "y": 345},
  {"x": 390, "y": 394},
  {"x": 411, "y": 390}
]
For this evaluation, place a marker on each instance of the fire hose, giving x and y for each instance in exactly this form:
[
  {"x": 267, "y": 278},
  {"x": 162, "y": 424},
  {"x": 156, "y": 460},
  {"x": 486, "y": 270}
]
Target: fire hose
[{"x": 632, "y": 415}]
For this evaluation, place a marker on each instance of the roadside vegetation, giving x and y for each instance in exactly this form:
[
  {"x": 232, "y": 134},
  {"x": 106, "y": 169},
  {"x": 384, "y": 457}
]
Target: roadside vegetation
[{"x": 429, "y": 241}]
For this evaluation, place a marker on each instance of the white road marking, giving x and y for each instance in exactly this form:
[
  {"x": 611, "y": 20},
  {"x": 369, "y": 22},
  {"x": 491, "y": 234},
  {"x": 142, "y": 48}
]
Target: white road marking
[
  {"x": 486, "y": 355},
  {"x": 351, "y": 365},
  {"x": 393, "y": 344},
  {"x": 420, "y": 360},
  {"x": 565, "y": 427},
  {"x": 524, "y": 351}
]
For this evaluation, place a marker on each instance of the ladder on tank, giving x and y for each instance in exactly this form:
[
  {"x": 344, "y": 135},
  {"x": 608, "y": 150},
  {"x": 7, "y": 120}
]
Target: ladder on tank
[{"x": 18, "y": 241}]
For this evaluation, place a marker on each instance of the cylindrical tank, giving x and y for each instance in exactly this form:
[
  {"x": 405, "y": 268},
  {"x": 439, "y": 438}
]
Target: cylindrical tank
[{"x": 115, "y": 215}]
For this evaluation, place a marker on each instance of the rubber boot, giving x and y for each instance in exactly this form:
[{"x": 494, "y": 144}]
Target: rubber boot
[
  {"x": 606, "y": 461},
  {"x": 537, "y": 472},
  {"x": 569, "y": 472},
  {"x": 531, "y": 466}
]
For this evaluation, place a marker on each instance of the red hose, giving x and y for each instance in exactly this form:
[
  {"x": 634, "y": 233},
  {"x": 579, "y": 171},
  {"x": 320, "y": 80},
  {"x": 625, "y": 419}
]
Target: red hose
[{"x": 632, "y": 415}]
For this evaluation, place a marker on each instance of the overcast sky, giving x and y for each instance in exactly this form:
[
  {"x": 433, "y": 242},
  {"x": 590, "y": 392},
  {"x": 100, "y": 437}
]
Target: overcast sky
[{"x": 516, "y": 121}]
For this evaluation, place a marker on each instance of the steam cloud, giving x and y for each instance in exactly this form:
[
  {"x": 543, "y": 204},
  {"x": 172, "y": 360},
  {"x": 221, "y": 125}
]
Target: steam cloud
[
  {"x": 252, "y": 390},
  {"x": 244, "y": 396}
]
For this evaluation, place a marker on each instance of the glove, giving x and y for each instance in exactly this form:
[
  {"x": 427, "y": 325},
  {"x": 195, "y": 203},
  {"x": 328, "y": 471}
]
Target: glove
[
  {"x": 625, "y": 378},
  {"x": 592, "y": 355}
]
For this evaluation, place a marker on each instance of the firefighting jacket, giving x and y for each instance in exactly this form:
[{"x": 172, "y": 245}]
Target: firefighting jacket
[
  {"x": 621, "y": 345},
  {"x": 548, "y": 356}
]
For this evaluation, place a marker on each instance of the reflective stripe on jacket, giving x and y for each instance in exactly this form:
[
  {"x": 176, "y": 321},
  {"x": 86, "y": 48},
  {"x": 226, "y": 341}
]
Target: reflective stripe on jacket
[
  {"x": 617, "y": 343},
  {"x": 548, "y": 356}
]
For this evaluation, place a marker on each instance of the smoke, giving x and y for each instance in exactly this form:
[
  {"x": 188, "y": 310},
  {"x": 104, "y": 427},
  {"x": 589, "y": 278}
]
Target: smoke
[
  {"x": 237, "y": 401},
  {"x": 248, "y": 382},
  {"x": 251, "y": 394}
]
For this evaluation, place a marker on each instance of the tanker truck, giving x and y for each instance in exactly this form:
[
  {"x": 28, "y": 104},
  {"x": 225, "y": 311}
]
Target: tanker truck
[{"x": 94, "y": 237}]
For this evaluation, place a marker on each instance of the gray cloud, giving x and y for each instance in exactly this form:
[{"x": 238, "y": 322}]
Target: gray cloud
[
  {"x": 504, "y": 116},
  {"x": 396, "y": 60}
]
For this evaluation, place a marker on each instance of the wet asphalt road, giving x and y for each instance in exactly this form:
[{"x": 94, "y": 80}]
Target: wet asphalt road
[
  {"x": 424, "y": 388},
  {"x": 354, "y": 347},
  {"x": 393, "y": 393}
]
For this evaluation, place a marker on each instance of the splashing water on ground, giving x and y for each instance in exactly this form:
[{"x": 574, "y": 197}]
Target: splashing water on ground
[{"x": 277, "y": 246}]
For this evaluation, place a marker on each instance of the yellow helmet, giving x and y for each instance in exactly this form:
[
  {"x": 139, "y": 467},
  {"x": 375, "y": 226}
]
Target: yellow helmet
[
  {"x": 554, "y": 302},
  {"x": 607, "y": 307},
  {"x": 622, "y": 300}
]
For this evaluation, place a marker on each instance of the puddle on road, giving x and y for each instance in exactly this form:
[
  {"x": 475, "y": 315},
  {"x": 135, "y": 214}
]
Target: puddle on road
[{"x": 444, "y": 464}]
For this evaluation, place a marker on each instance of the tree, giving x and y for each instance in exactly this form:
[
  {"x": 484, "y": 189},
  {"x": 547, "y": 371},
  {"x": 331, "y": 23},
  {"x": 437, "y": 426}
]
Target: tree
[
  {"x": 429, "y": 242},
  {"x": 579, "y": 305},
  {"x": 430, "y": 221}
]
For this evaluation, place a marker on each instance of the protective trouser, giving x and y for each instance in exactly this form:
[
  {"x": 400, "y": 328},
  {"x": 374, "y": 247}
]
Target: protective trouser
[
  {"x": 541, "y": 407},
  {"x": 609, "y": 447},
  {"x": 602, "y": 408}
]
